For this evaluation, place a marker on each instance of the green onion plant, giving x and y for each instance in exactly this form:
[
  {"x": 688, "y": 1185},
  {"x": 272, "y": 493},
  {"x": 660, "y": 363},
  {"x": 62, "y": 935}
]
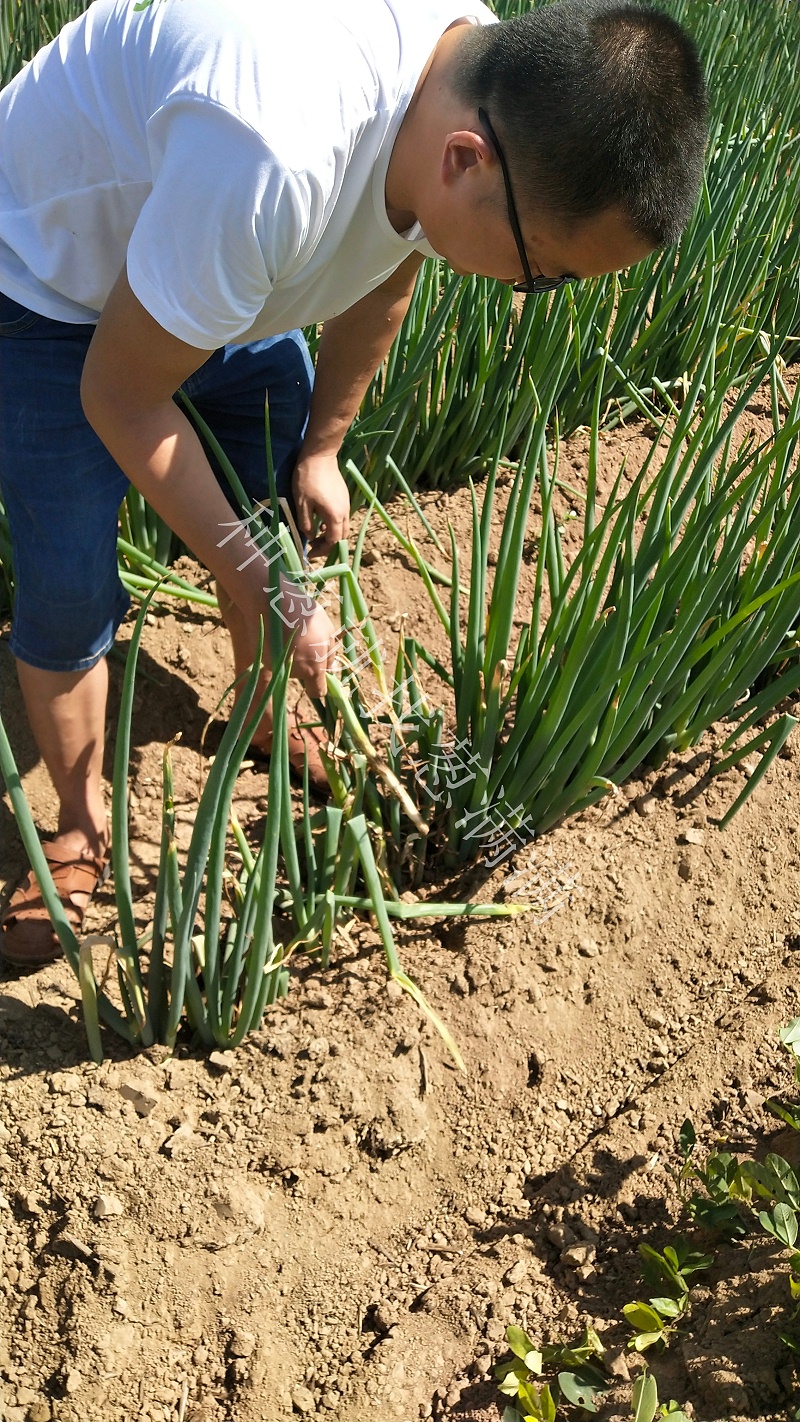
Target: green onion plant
[
  {"x": 227, "y": 918},
  {"x": 26, "y": 25},
  {"x": 679, "y": 611}
]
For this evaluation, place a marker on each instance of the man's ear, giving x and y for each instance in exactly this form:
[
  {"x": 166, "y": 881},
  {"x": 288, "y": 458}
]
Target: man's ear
[{"x": 464, "y": 154}]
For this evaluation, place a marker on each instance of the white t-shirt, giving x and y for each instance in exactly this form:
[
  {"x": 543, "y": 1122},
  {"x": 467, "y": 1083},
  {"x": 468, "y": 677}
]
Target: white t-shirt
[{"x": 234, "y": 151}]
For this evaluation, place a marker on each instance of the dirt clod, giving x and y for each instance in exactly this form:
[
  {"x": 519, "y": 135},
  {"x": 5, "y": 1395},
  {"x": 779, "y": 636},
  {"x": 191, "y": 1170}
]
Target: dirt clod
[{"x": 105, "y": 1206}]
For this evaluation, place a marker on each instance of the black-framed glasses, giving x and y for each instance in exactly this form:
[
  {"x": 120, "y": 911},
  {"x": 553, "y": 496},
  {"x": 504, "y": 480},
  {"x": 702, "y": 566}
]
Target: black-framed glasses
[{"x": 531, "y": 284}]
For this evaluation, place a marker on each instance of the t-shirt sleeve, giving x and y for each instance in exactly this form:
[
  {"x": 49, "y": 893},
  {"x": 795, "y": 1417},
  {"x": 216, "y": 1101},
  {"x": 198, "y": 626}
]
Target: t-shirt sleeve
[{"x": 224, "y": 220}]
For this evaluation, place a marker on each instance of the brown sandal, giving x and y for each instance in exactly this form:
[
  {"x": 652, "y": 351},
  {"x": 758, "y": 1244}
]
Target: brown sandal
[
  {"x": 307, "y": 741},
  {"x": 28, "y": 937}
]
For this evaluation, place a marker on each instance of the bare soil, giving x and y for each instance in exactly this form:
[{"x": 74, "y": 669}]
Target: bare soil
[{"x": 333, "y": 1221}]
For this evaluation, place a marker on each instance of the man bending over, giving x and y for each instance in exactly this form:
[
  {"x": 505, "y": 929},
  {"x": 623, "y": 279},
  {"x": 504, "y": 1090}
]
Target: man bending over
[{"x": 183, "y": 185}]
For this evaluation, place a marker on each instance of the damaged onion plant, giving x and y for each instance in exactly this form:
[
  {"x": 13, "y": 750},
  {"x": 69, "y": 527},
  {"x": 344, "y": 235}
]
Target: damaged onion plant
[{"x": 228, "y": 917}]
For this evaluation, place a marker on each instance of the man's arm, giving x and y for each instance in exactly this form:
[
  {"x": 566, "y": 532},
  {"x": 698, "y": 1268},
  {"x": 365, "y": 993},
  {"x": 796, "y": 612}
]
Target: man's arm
[
  {"x": 351, "y": 349},
  {"x": 133, "y": 368}
]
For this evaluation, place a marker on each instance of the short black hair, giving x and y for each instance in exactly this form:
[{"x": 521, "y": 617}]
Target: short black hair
[{"x": 597, "y": 105}]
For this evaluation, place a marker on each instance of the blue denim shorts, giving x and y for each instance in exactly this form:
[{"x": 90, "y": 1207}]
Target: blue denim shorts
[{"x": 62, "y": 490}]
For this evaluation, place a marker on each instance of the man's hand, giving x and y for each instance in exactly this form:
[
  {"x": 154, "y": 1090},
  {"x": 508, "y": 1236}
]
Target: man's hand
[
  {"x": 320, "y": 490},
  {"x": 314, "y": 647}
]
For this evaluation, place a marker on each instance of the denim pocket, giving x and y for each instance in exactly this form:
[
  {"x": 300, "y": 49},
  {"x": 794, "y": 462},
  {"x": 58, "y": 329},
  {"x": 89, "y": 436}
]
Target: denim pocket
[{"x": 14, "y": 318}]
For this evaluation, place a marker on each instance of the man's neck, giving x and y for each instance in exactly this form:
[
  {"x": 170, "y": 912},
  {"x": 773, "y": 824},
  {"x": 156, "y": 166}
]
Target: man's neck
[{"x": 424, "y": 124}]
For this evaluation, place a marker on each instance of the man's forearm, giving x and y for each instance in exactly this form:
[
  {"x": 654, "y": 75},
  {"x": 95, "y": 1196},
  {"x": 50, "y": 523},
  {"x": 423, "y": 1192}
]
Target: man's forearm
[
  {"x": 163, "y": 458},
  {"x": 131, "y": 370},
  {"x": 351, "y": 349}
]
